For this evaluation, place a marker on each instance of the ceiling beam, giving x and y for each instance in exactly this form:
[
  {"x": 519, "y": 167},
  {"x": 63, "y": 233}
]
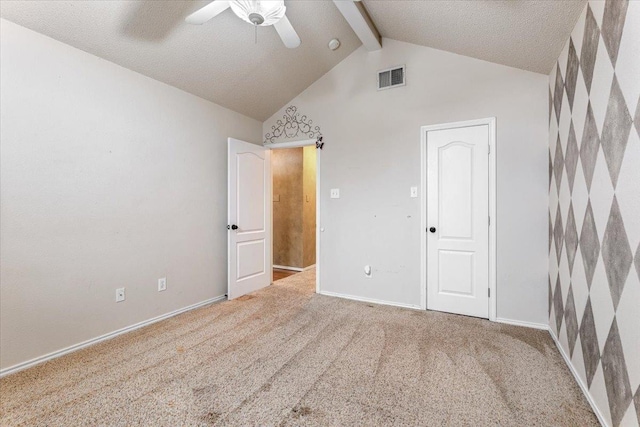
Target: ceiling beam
[{"x": 358, "y": 17}]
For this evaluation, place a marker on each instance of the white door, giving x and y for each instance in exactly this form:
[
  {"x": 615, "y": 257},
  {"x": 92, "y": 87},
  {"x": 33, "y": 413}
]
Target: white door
[
  {"x": 249, "y": 218},
  {"x": 458, "y": 220}
]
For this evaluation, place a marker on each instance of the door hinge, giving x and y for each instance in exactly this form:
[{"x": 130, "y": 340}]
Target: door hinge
[
  {"x": 489, "y": 149},
  {"x": 489, "y": 292},
  {"x": 489, "y": 220}
]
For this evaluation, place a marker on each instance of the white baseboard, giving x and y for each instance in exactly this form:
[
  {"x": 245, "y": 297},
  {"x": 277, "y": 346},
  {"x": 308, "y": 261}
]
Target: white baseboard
[
  {"x": 286, "y": 267},
  {"x": 541, "y": 326},
  {"x": 370, "y": 300},
  {"x": 583, "y": 387},
  {"x": 76, "y": 347}
]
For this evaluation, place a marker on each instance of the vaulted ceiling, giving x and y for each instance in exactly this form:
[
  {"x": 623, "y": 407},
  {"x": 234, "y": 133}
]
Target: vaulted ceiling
[
  {"x": 523, "y": 34},
  {"x": 219, "y": 60}
]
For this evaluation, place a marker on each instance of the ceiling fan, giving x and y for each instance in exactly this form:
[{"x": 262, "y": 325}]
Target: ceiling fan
[{"x": 256, "y": 12}]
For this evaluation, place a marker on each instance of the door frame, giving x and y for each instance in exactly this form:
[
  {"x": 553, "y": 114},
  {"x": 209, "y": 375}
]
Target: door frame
[
  {"x": 300, "y": 144},
  {"x": 491, "y": 123}
]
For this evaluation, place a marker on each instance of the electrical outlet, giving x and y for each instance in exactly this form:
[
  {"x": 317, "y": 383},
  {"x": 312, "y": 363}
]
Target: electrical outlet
[
  {"x": 414, "y": 192},
  {"x": 162, "y": 284},
  {"x": 119, "y": 294},
  {"x": 335, "y": 193}
]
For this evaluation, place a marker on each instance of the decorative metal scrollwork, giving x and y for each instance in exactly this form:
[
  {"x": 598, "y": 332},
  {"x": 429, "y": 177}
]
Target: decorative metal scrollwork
[{"x": 293, "y": 125}]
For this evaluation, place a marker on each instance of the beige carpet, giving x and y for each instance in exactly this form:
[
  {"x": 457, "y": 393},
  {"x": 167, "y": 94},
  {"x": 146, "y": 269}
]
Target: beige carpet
[{"x": 286, "y": 356}]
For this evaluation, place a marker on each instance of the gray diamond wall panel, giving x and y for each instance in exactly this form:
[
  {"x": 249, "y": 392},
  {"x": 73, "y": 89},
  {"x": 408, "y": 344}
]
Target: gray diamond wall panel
[{"x": 594, "y": 209}]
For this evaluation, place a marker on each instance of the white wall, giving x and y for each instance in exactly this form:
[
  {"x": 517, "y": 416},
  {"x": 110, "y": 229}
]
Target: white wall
[
  {"x": 108, "y": 179},
  {"x": 372, "y": 153}
]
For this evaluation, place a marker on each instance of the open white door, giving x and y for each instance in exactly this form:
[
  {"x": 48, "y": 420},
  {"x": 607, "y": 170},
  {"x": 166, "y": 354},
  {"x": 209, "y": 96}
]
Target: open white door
[
  {"x": 458, "y": 220},
  {"x": 249, "y": 218}
]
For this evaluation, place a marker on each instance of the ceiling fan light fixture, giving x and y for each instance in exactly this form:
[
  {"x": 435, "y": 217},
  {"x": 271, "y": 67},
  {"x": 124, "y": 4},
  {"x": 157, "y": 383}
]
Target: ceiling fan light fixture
[{"x": 259, "y": 12}]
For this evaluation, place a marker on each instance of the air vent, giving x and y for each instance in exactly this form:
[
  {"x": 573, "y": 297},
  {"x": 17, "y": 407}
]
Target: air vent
[{"x": 391, "y": 77}]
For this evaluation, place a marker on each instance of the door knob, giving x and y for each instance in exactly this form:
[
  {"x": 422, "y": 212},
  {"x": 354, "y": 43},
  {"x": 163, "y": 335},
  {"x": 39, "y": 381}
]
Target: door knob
[
  {"x": 232, "y": 227},
  {"x": 432, "y": 229}
]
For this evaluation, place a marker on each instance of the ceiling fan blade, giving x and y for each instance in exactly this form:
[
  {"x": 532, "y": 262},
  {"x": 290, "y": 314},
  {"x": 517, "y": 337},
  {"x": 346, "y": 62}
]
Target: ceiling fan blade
[
  {"x": 208, "y": 12},
  {"x": 287, "y": 33}
]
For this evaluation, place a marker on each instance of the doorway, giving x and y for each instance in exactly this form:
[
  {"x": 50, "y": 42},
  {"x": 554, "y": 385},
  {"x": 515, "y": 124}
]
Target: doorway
[
  {"x": 250, "y": 216},
  {"x": 458, "y": 218},
  {"x": 294, "y": 209}
]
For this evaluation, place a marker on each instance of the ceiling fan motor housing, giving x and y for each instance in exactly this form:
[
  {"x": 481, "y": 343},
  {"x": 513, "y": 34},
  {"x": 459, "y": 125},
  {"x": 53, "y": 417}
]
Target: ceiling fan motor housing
[{"x": 259, "y": 12}]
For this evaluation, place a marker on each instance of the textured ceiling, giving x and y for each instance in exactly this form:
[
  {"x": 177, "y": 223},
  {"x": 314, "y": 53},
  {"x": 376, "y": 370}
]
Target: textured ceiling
[
  {"x": 526, "y": 34},
  {"x": 219, "y": 61}
]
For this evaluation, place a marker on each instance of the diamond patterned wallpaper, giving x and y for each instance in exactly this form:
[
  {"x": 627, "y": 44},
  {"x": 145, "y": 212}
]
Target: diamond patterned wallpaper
[{"x": 594, "y": 209}]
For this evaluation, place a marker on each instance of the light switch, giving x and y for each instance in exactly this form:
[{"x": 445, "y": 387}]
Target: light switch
[
  {"x": 414, "y": 191},
  {"x": 335, "y": 193}
]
